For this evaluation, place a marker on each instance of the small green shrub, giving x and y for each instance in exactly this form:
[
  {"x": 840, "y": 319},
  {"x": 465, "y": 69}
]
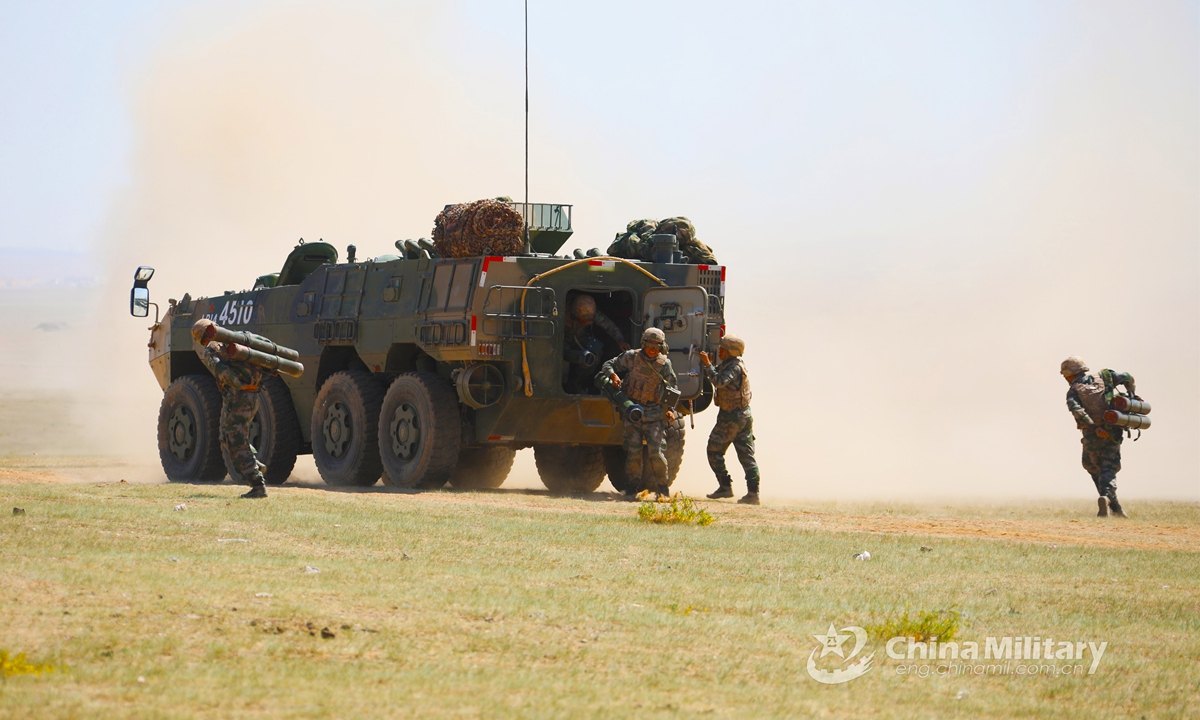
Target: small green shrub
[
  {"x": 18, "y": 665},
  {"x": 921, "y": 626},
  {"x": 681, "y": 509}
]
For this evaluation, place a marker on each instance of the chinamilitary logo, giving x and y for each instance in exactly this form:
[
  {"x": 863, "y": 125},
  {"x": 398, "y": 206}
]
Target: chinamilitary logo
[{"x": 832, "y": 642}]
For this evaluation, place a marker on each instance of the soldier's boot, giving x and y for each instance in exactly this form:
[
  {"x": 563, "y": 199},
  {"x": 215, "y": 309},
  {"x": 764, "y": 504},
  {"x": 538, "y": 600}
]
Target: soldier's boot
[
  {"x": 724, "y": 491},
  {"x": 256, "y": 491},
  {"x": 750, "y": 498},
  {"x": 1115, "y": 506},
  {"x": 1102, "y": 503}
]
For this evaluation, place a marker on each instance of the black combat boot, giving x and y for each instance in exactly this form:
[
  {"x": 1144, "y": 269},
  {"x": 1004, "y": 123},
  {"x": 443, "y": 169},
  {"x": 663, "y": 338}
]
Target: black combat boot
[
  {"x": 256, "y": 491},
  {"x": 1115, "y": 505},
  {"x": 724, "y": 491},
  {"x": 1102, "y": 503}
]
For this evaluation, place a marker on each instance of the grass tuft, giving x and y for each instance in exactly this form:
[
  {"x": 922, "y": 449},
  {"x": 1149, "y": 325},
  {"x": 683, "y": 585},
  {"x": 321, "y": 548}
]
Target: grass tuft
[
  {"x": 681, "y": 510},
  {"x": 11, "y": 665},
  {"x": 922, "y": 626}
]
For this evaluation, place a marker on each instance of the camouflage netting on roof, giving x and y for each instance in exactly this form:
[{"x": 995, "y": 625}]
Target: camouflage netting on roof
[
  {"x": 483, "y": 227},
  {"x": 635, "y": 242}
]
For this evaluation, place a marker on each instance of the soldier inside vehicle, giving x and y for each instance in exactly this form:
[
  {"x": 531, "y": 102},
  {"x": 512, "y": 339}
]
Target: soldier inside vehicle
[{"x": 597, "y": 327}]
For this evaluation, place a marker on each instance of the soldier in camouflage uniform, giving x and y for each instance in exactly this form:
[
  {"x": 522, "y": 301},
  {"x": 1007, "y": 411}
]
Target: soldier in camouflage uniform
[
  {"x": 634, "y": 243},
  {"x": 734, "y": 425},
  {"x": 1090, "y": 396},
  {"x": 694, "y": 252},
  {"x": 238, "y": 383},
  {"x": 580, "y": 329},
  {"x": 649, "y": 377}
]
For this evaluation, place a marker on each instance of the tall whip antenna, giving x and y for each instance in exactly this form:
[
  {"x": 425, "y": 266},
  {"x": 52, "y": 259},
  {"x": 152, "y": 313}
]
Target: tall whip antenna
[{"x": 526, "y": 213}]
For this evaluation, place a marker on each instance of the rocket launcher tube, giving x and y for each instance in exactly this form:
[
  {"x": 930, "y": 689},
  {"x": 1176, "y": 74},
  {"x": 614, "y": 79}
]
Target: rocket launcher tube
[
  {"x": 263, "y": 360},
  {"x": 206, "y": 331},
  {"x": 1131, "y": 405},
  {"x": 1132, "y": 421}
]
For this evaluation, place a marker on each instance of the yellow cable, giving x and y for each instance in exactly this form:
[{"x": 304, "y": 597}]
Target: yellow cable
[{"x": 524, "y": 355}]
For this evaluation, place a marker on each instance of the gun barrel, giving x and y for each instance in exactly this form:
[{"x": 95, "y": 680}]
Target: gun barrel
[
  {"x": 1133, "y": 421},
  {"x": 1131, "y": 405},
  {"x": 207, "y": 331},
  {"x": 264, "y": 360}
]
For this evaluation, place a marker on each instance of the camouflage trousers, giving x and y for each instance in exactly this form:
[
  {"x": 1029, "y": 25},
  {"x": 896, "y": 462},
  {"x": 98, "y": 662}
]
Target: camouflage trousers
[
  {"x": 654, "y": 432},
  {"x": 1102, "y": 460},
  {"x": 735, "y": 428},
  {"x": 237, "y": 410}
]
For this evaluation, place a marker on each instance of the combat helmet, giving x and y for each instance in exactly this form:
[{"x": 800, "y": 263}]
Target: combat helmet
[
  {"x": 1073, "y": 366},
  {"x": 654, "y": 335},
  {"x": 584, "y": 307},
  {"x": 733, "y": 345}
]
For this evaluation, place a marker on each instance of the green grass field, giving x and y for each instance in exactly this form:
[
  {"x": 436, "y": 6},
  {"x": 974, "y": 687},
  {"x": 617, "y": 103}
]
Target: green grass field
[{"x": 517, "y": 604}]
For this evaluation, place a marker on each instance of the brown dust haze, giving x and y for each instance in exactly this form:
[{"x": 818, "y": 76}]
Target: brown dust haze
[{"x": 904, "y": 324}]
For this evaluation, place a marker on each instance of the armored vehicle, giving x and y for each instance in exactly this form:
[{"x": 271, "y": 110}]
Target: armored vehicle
[{"x": 425, "y": 370}]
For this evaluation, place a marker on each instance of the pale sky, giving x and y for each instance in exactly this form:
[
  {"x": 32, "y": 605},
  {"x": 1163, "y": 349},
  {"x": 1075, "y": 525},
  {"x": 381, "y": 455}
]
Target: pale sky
[{"x": 923, "y": 206}]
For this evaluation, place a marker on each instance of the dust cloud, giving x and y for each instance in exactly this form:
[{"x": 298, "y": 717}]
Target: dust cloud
[{"x": 904, "y": 324}]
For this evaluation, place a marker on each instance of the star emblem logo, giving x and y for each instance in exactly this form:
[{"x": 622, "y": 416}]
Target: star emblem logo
[{"x": 831, "y": 642}]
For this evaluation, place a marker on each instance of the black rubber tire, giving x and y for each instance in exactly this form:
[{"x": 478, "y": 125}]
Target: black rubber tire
[
  {"x": 191, "y": 406},
  {"x": 427, "y": 404},
  {"x": 614, "y": 459},
  {"x": 278, "y": 436},
  {"x": 570, "y": 468},
  {"x": 482, "y": 468},
  {"x": 349, "y": 398}
]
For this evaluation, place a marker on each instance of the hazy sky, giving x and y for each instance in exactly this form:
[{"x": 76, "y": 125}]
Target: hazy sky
[{"x": 924, "y": 206}]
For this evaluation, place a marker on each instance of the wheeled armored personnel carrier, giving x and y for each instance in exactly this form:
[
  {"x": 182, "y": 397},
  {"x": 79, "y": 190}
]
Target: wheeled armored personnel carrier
[{"x": 425, "y": 370}]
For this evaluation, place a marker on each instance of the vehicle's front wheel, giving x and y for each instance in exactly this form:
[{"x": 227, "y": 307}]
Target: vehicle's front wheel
[
  {"x": 189, "y": 442},
  {"x": 482, "y": 468},
  {"x": 345, "y": 442},
  {"x": 419, "y": 431},
  {"x": 570, "y": 468}
]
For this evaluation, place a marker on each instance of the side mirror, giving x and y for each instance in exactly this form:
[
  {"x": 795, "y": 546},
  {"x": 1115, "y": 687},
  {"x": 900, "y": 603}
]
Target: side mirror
[
  {"x": 139, "y": 296},
  {"x": 139, "y": 302}
]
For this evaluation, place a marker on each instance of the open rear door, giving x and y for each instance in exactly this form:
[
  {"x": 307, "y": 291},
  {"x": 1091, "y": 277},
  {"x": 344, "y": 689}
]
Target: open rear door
[{"x": 680, "y": 312}]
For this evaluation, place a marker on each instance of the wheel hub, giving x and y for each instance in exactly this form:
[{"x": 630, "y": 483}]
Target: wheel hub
[
  {"x": 406, "y": 432},
  {"x": 337, "y": 430},
  {"x": 181, "y": 433}
]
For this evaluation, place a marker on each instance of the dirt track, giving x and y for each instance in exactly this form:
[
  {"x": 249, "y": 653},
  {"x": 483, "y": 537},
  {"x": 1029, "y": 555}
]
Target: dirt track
[{"x": 1082, "y": 530}]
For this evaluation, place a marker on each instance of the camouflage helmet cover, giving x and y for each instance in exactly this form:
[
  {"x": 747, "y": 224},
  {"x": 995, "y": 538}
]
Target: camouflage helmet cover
[
  {"x": 733, "y": 345},
  {"x": 1073, "y": 366},
  {"x": 654, "y": 335},
  {"x": 584, "y": 307}
]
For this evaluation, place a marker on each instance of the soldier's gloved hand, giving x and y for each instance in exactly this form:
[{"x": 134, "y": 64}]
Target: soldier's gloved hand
[
  {"x": 615, "y": 381},
  {"x": 624, "y": 347},
  {"x": 670, "y": 416},
  {"x": 705, "y": 360}
]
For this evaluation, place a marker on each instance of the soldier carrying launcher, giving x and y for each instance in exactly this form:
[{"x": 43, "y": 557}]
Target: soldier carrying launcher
[{"x": 239, "y": 370}]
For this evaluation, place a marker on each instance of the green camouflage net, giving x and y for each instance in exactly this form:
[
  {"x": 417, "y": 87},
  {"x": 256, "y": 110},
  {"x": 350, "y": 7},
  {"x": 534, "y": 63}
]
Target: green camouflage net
[{"x": 483, "y": 227}]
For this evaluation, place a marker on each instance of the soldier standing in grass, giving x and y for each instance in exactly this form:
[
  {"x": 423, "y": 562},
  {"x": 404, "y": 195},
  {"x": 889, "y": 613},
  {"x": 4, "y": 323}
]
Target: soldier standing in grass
[
  {"x": 734, "y": 425},
  {"x": 649, "y": 379},
  {"x": 1090, "y": 396},
  {"x": 238, "y": 383}
]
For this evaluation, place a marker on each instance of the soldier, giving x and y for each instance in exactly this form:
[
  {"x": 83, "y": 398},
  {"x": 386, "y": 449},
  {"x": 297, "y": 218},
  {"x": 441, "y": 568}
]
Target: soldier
[
  {"x": 1090, "y": 396},
  {"x": 734, "y": 423},
  {"x": 581, "y": 337},
  {"x": 634, "y": 243},
  {"x": 694, "y": 251},
  {"x": 238, "y": 383},
  {"x": 649, "y": 381}
]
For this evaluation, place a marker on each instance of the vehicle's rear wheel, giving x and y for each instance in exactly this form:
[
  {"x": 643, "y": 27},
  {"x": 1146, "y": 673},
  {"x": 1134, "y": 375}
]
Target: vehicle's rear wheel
[
  {"x": 482, "y": 468},
  {"x": 419, "y": 431},
  {"x": 189, "y": 442},
  {"x": 614, "y": 460},
  {"x": 570, "y": 468},
  {"x": 274, "y": 433},
  {"x": 345, "y": 441}
]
